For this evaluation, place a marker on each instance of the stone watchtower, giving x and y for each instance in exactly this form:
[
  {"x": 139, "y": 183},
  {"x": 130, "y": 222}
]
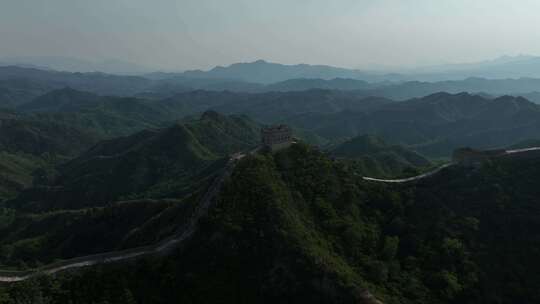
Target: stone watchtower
[{"x": 276, "y": 137}]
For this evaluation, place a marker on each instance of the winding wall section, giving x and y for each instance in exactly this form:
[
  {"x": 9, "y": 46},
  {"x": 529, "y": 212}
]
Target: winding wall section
[
  {"x": 527, "y": 153},
  {"x": 163, "y": 247}
]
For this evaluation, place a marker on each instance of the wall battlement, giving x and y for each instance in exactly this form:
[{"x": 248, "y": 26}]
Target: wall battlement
[{"x": 276, "y": 137}]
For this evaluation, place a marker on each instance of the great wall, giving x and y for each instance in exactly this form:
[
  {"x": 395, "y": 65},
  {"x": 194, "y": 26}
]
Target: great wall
[
  {"x": 462, "y": 157},
  {"x": 274, "y": 138},
  {"x": 163, "y": 247},
  {"x": 467, "y": 158}
]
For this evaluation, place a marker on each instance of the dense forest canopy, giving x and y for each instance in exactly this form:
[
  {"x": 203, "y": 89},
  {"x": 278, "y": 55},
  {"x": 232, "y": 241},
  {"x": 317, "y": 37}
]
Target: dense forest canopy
[
  {"x": 299, "y": 225},
  {"x": 92, "y": 163}
]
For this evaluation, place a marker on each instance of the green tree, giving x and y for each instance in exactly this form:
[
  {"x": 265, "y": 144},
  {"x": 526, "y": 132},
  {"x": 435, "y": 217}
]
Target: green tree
[{"x": 390, "y": 247}]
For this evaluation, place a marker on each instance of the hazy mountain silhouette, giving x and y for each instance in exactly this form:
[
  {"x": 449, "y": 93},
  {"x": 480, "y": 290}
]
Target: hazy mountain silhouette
[
  {"x": 71, "y": 64},
  {"x": 500, "y": 68},
  {"x": 266, "y": 72}
]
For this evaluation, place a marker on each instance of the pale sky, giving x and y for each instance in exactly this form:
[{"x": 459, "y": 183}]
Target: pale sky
[{"x": 187, "y": 34}]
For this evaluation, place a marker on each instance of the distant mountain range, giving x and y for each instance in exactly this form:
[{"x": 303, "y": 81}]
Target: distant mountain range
[
  {"x": 495, "y": 87},
  {"x": 72, "y": 64},
  {"x": 505, "y": 67},
  {"x": 21, "y": 85},
  {"x": 266, "y": 72},
  {"x": 263, "y": 72},
  {"x": 433, "y": 125}
]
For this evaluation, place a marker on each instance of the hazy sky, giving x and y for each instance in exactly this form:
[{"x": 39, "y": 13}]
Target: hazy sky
[{"x": 185, "y": 34}]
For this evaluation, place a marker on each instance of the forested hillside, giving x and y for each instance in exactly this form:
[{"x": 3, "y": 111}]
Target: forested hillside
[
  {"x": 84, "y": 173},
  {"x": 273, "y": 152},
  {"x": 121, "y": 193},
  {"x": 30, "y": 148},
  {"x": 299, "y": 226},
  {"x": 157, "y": 163},
  {"x": 435, "y": 125},
  {"x": 374, "y": 157}
]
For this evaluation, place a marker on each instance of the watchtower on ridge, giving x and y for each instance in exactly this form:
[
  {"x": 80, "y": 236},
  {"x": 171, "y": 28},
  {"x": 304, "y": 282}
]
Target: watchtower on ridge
[{"x": 276, "y": 137}]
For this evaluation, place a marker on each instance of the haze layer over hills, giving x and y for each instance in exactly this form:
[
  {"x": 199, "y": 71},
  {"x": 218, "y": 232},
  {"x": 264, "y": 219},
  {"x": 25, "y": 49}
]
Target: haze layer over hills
[
  {"x": 21, "y": 84},
  {"x": 254, "y": 151},
  {"x": 95, "y": 163},
  {"x": 261, "y": 71}
]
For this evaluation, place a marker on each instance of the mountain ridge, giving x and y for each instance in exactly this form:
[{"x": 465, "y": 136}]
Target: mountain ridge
[{"x": 160, "y": 163}]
